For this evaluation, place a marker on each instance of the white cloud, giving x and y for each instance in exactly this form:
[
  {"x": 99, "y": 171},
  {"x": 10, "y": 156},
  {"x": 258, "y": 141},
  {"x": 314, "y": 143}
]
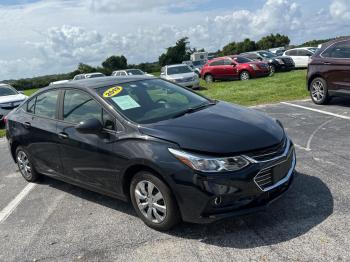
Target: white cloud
[
  {"x": 340, "y": 10},
  {"x": 36, "y": 39}
]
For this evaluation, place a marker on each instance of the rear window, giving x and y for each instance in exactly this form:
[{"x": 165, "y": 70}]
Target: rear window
[{"x": 178, "y": 70}]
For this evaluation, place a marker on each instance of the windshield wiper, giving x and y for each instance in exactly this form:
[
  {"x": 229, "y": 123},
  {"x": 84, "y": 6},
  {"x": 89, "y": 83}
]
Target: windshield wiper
[{"x": 194, "y": 109}]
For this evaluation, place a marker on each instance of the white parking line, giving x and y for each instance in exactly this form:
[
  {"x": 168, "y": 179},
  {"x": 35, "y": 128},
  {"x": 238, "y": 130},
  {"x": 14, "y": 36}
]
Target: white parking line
[
  {"x": 4, "y": 214},
  {"x": 317, "y": 110}
]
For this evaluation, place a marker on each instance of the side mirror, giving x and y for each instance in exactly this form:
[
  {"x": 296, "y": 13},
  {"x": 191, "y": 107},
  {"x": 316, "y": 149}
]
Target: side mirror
[
  {"x": 91, "y": 126},
  {"x": 233, "y": 64}
]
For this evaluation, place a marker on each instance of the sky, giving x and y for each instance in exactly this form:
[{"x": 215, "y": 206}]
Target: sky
[{"x": 39, "y": 37}]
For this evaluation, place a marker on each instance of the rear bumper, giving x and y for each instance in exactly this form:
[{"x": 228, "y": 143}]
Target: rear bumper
[{"x": 214, "y": 197}]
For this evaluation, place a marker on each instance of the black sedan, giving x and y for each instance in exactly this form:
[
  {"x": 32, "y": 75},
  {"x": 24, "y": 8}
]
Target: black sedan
[{"x": 175, "y": 154}]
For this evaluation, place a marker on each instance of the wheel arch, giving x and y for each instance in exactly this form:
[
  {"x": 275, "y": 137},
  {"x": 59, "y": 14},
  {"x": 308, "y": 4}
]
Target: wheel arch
[
  {"x": 14, "y": 146},
  {"x": 312, "y": 78}
]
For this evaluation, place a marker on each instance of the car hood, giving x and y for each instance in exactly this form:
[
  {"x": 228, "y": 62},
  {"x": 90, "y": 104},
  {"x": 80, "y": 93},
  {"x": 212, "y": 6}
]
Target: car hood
[
  {"x": 220, "y": 129},
  {"x": 180, "y": 76},
  {"x": 12, "y": 98}
]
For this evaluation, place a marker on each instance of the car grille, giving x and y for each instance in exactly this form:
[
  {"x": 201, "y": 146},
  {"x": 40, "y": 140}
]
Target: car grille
[
  {"x": 268, "y": 177},
  {"x": 187, "y": 79},
  {"x": 270, "y": 152}
]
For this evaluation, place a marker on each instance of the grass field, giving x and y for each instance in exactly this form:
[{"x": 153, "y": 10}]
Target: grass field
[{"x": 280, "y": 87}]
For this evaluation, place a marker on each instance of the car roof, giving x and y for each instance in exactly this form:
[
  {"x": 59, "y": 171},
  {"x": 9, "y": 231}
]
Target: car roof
[
  {"x": 169, "y": 66},
  {"x": 92, "y": 83}
]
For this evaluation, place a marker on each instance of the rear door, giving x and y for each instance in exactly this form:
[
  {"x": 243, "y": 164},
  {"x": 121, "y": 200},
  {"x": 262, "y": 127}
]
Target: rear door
[
  {"x": 217, "y": 69},
  {"x": 336, "y": 60},
  {"x": 39, "y": 126},
  {"x": 231, "y": 71},
  {"x": 87, "y": 158},
  {"x": 304, "y": 57}
]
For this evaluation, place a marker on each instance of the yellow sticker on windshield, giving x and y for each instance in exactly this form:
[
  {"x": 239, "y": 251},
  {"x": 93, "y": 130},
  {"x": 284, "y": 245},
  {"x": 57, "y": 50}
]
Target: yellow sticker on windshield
[{"x": 113, "y": 91}]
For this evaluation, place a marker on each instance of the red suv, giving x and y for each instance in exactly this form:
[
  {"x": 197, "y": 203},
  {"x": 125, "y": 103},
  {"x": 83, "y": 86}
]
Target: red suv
[{"x": 233, "y": 67}]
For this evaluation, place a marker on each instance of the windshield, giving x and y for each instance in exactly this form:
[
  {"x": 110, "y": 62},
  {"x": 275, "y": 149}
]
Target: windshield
[
  {"x": 134, "y": 72},
  {"x": 267, "y": 54},
  {"x": 150, "y": 101},
  {"x": 178, "y": 70},
  {"x": 7, "y": 91},
  {"x": 313, "y": 49},
  {"x": 242, "y": 60}
]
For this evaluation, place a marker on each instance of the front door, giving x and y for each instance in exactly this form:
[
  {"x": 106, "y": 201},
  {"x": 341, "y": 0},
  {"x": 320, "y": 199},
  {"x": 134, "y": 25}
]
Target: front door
[{"x": 87, "y": 158}]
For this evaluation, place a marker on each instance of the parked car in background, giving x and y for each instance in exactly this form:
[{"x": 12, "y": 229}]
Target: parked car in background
[
  {"x": 180, "y": 74},
  {"x": 329, "y": 71},
  {"x": 130, "y": 72},
  {"x": 233, "y": 67},
  {"x": 10, "y": 98},
  {"x": 195, "y": 65},
  {"x": 174, "y": 154},
  {"x": 86, "y": 76},
  {"x": 301, "y": 56},
  {"x": 278, "y": 50},
  {"x": 276, "y": 63},
  {"x": 59, "y": 82}
]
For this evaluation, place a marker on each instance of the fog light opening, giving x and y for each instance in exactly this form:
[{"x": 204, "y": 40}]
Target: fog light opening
[{"x": 217, "y": 201}]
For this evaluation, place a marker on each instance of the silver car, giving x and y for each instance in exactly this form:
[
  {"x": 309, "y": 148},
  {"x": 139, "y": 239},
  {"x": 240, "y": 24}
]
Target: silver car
[{"x": 180, "y": 74}]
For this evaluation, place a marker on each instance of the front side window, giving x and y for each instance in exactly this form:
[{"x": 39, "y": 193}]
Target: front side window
[
  {"x": 134, "y": 72},
  {"x": 303, "y": 52},
  {"x": 267, "y": 54},
  {"x": 292, "y": 52},
  {"x": 217, "y": 63},
  {"x": 242, "y": 60},
  {"x": 45, "y": 104},
  {"x": 339, "y": 50},
  {"x": 151, "y": 100},
  {"x": 79, "y": 106}
]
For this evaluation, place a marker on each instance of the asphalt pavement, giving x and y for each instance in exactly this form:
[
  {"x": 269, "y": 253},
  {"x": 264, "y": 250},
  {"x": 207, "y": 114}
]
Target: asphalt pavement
[{"x": 55, "y": 221}]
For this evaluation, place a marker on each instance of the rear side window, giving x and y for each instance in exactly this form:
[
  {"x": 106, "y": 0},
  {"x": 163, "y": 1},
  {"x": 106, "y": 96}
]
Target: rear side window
[
  {"x": 44, "y": 104},
  {"x": 79, "y": 106},
  {"x": 339, "y": 50},
  {"x": 303, "y": 52}
]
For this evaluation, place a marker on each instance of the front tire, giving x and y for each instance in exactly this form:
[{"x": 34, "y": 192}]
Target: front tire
[
  {"x": 153, "y": 201},
  {"x": 319, "y": 91},
  {"x": 25, "y": 166},
  {"x": 244, "y": 75},
  {"x": 272, "y": 70}
]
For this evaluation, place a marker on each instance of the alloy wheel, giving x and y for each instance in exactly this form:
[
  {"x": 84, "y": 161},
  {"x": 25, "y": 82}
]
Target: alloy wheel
[
  {"x": 317, "y": 90},
  {"x": 245, "y": 76},
  {"x": 150, "y": 201},
  {"x": 24, "y": 164}
]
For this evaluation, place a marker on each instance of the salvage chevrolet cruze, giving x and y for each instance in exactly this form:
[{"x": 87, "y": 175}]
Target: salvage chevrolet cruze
[{"x": 175, "y": 154}]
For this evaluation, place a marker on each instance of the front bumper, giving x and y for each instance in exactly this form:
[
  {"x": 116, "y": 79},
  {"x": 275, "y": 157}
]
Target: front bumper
[
  {"x": 190, "y": 84},
  {"x": 217, "y": 196}
]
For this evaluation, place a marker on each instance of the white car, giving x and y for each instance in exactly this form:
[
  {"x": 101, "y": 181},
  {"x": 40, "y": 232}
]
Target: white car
[
  {"x": 301, "y": 56},
  {"x": 181, "y": 74},
  {"x": 87, "y": 76},
  {"x": 130, "y": 72},
  {"x": 10, "y": 98}
]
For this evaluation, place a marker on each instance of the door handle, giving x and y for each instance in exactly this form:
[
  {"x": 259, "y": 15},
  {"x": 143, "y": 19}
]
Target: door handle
[
  {"x": 327, "y": 63},
  {"x": 62, "y": 135},
  {"x": 27, "y": 124}
]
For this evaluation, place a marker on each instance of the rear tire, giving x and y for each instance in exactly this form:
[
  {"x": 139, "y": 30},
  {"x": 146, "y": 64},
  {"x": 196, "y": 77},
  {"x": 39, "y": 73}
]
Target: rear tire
[
  {"x": 319, "y": 91},
  {"x": 153, "y": 201},
  {"x": 244, "y": 75},
  {"x": 25, "y": 165},
  {"x": 272, "y": 70},
  {"x": 209, "y": 79}
]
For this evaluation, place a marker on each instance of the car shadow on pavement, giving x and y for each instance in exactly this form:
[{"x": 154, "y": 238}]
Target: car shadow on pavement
[
  {"x": 308, "y": 203},
  {"x": 339, "y": 101}
]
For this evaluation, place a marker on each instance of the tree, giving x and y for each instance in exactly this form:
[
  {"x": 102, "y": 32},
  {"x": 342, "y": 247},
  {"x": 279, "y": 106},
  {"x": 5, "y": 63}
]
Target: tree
[
  {"x": 239, "y": 47},
  {"x": 272, "y": 41},
  {"x": 85, "y": 69},
  {"x": 115, "y": 63},
  {"x": 176, "y": 54}
]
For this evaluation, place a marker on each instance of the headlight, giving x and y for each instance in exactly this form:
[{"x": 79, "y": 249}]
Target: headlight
[
  {"x": 208, "y": 164},
  {"x": 255, "y": 67},
  {"x": 280, "y": 61}
]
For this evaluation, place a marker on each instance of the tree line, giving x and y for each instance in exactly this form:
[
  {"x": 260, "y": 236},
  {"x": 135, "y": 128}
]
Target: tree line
[{"x": 181, "y": 51}]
